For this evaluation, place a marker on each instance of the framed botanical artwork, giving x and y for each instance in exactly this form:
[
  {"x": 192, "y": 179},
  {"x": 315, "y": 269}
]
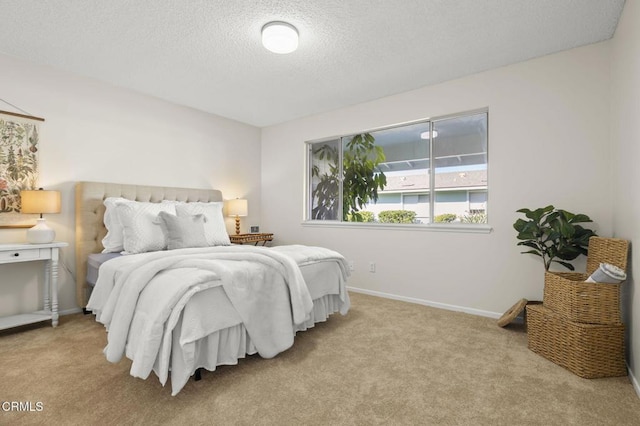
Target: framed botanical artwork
[{"x": 19, "y": 144}]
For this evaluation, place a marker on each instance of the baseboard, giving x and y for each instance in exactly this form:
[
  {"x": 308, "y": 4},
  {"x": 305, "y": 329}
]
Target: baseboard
[
  {"x": 634, "y": 381},
  {"x": 446, "y": 306},
  {"x": 70, "y": 311}
]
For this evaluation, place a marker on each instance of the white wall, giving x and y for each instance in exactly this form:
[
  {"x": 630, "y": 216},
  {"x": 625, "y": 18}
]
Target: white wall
[
  {"x": 548, "y": 144},
  {"x": 98, "y": 132},
  {"x": 625, "y": 137}
]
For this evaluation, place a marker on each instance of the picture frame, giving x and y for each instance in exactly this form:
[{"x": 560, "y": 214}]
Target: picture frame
[{"x": 19, "y": 166}]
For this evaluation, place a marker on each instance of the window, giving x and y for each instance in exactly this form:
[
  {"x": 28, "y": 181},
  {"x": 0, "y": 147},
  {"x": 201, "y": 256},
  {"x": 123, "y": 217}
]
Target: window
[{"x": 387, "y": 175}]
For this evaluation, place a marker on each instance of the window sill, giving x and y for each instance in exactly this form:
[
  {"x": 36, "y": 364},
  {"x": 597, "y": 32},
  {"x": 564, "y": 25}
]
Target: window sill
[{"x": 431, "y": 227}]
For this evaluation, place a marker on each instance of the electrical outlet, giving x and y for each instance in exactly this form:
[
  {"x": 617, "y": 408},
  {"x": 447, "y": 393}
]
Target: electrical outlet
[
  {"x": 352, "y": 265},
  {"x": 372, "y": 266}
]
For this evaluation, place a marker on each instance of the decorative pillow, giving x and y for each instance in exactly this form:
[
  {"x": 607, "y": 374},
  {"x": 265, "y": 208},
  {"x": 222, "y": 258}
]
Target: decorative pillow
[
  {"x": 215, "y": 230},
  {"x": 142, "y": 232},
  {"x": 113, "y": 241},
  {"x": 182, "y": 231}
]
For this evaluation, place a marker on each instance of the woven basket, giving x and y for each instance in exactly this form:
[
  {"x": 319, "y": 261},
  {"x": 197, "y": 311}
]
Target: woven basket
[
  {"x": 587, "y": 350},
  {"x": 250, "y": 238},
  {"x": 567, "y": 294}
]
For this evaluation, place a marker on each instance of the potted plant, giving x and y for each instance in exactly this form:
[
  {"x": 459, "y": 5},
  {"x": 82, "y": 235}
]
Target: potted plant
[{"x": 554, "y": 234}]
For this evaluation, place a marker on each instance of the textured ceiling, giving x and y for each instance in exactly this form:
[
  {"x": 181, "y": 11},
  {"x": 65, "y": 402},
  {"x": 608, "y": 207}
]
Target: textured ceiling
[{"x": 206, "y": 54}]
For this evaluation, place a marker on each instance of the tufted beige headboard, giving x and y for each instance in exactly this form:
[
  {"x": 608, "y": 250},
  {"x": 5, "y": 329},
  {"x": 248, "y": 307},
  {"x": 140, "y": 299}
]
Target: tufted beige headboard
[{"x": 90, "y": 229}]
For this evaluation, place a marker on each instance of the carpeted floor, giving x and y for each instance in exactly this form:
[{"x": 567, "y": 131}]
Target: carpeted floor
[{"x": 386, "y": 362}]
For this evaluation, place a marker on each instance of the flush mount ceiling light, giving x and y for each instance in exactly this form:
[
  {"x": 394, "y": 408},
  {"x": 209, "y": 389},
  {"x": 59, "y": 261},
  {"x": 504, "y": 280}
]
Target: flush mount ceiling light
[
  {"x": 280, "y": 37},
  {"x": 425, "y": 135}
]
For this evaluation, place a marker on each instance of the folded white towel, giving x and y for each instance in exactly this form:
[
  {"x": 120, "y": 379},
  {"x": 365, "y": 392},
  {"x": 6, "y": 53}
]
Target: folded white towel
[{"x": 608, "y": 274}]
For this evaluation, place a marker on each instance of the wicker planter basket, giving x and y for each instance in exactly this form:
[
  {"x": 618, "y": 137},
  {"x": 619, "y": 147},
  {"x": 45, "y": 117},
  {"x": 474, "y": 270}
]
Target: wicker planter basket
[
  {"x": 567, "y": 294},
  {"x": 587, "y": 350}
]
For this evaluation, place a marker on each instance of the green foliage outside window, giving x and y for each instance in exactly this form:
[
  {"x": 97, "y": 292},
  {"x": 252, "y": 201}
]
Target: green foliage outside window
[
  {"x": 363, "y": 216},
  {"x": 474, "y": 218},
  {"x": 445, "y": 218},
  {"x": 361, "y": 179},
  {"x": 397, "y": 216},
  {"x": 325, "y": 193}
]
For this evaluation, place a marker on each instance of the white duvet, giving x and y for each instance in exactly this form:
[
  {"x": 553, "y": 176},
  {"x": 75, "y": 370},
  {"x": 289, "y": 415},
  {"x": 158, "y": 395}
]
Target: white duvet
[{"x": 141, "y": 299}]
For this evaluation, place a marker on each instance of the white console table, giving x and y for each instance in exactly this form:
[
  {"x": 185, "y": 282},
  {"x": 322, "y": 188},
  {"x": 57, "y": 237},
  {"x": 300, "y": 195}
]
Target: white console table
[{"x": 14, "y": 253}]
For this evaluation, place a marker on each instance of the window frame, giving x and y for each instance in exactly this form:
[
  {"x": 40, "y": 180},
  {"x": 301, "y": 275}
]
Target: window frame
[{"x": 431, "y": 226}]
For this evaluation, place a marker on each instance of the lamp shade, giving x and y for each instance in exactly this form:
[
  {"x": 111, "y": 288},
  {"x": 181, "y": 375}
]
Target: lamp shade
[
  {"x": 237, "y": 207},
  {"x": 40, "y": 201}
]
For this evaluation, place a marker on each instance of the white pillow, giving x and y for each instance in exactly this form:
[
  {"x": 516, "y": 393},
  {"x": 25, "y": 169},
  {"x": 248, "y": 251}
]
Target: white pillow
[
  {"x": 142, "y": 232},
  {"x": 215, "y": 230},
  {"x": 113, "y": 241},
  {"x": 182, "y": 231}
]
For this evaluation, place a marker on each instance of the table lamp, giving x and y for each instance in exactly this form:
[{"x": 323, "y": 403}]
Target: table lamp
[
  {"x": 238, "y": 207},
  {"x": 40, "y": 202}
]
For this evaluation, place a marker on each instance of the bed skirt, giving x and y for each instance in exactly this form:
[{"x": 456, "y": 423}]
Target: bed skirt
[{"x": 227, "y": 346}]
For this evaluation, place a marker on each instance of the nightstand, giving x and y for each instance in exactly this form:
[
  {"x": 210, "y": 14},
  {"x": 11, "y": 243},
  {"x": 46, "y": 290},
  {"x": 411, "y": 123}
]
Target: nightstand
[
  {"x": 14, "y": 253},
  {"x": 254, "y": 239}
]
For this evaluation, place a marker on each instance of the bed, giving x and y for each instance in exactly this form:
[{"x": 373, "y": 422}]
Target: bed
[{"x": 174, "y": 312}]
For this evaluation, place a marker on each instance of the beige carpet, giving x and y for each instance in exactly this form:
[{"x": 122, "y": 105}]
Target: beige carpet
[{"x": 386, "y": 362}]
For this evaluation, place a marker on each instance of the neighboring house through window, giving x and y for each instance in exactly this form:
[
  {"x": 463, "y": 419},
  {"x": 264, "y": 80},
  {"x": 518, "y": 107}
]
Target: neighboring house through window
[{"x": 387, "y": 175}]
